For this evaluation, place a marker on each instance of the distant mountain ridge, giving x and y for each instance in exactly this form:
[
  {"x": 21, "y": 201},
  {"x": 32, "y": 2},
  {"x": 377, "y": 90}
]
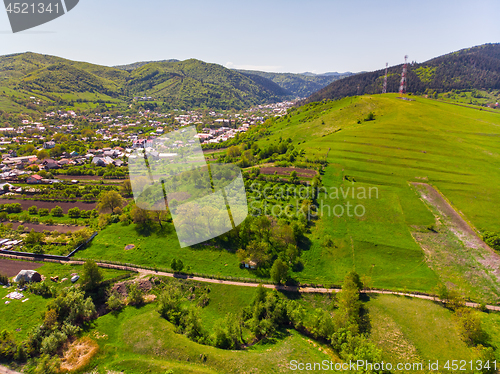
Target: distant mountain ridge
[
  {"x": 471, "y": 68},
  {"x": 299, "y": 85},
  {"x": 137, "y": 65},
  {"x": 171, "y": 83}
]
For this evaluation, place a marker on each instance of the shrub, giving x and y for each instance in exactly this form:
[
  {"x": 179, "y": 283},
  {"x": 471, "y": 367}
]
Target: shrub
[
  {"x": 43, "y": 212},
  {"x": 33, "y": 210},
  {"x": 114, "y": 302},
  {"x": 74, "y": 212},
  {"x": 135, "y": 295},
  {"x": 57, "y": 211}
]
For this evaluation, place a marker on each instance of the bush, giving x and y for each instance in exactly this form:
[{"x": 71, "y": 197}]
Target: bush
[
  {"x": 57, "y": 211},
  {"x": 135, "y": 295},
  {"x": 74, "y": 212},
  {"x": 370, "y": 116},
  {"x": 43, "y": 212},
  {"x": 33, "y": 210},
  {"x": 114, "y": 302},
  {"x": 176, "y": 265}
]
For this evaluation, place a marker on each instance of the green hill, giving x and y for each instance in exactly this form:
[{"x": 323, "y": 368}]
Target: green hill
[
  {"x": 471, "y": 68},
  {"x": 450, "y": 147},
  {"x": 137, "y": 65},
  {"x": 194, "y": 83},
  {"x": 173, "y": 84},
  {"x": 299, "y": 85}
]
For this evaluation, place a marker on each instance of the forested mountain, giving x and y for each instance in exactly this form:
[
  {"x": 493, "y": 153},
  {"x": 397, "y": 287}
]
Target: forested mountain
[
  {"x": 194, "y": 83},
  {"x": 471, "y": 68},
  {"x": 137, "y": 65},
  {"x": 172, "y": 84},
  {"x": 299, "y": 85}
]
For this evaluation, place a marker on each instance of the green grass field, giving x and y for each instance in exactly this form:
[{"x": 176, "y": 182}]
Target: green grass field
[
  {"x": 19, "y": 317},
  {"x": 159, "y": 250},
  {"x": 154, "y": 347},
  {"x": 450, "y": 147}
]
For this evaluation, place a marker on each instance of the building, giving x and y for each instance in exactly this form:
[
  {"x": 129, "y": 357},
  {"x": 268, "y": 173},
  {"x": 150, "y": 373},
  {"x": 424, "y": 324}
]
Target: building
[
  {"x": 28, "y": 276},
  {"x": 34, "y": 179}
]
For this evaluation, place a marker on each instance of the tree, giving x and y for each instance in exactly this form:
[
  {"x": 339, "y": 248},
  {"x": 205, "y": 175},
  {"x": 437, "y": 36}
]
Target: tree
[
  {"x": 92, "y": 276},
  {"x": 176, "y": 265},
  {"x": 42, "y": 154},
  {"x": 126, "y": 188},
  {"x": 469, "y": 326},
  {"x": 135, "y": 295},
  {"x": 114, "y": 302},
  {"x": 74, "y": 212},
  {"x": 293, "y": 176},
  {"x": 109, "y": 200},
  {"x": 33, "y": 238},
  {"x": 57, "y": 211},
  {"x": 43, "y": 212},
  {"x": 279, "y": 271}
]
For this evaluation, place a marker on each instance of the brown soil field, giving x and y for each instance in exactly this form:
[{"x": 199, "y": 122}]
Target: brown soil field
[
  {"x": 10, "y": 268},
  {"x": 86, "y": 178},
  {"x": 40, "y": 227},
  {"x": 50, "y": 204}
]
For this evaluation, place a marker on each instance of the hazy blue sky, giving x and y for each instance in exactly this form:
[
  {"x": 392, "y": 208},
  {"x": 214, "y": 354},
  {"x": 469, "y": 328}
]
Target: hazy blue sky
[{"x": 271, "y": 35}]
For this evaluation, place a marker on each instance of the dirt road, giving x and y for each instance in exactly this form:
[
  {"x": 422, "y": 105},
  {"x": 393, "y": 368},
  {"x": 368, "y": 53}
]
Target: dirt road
[{"x": 488, "y": 257}]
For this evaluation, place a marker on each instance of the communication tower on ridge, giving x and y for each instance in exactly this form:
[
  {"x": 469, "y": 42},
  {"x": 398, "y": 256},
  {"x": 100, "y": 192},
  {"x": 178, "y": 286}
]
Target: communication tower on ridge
[
  {"x": 384, "y": 88},
  {"x": 402, "y": 85}
]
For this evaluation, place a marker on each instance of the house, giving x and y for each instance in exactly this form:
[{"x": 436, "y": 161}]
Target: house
[
  {"x": 49, "y": 145},
  {"x": 28, "y": 276},
  {"x": 250, "y": 265},
  {"x": 50, "y": 164},
  {"x": 102, "y": 161},
  {"x": 34, "y": 179}
]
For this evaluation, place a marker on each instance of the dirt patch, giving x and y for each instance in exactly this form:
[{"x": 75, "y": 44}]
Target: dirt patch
[
  {"x": 11, "y": 268},
  {"x": 78, "y": 354},
  {"x": 476, "y": 249},
  {"x": 25, "y": 204},
  {"x": 121, "y": 287},
  {"x": 40, "y": 227},
  {"x": 304, "y": 173},
  {"x": 128, "y": 247}
]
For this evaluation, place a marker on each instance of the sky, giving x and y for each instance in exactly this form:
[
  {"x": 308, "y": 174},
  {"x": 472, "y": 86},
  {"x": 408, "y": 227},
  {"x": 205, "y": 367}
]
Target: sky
[{"x": 271, "y": 35}]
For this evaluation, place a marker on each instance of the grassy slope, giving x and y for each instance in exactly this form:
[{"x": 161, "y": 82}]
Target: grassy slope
[
  {"x": 453, "y": 148},
  {"x": 24, "y": 316},
  {"x": 153, "y": 344},
  {"x": 414, "y": 330}
]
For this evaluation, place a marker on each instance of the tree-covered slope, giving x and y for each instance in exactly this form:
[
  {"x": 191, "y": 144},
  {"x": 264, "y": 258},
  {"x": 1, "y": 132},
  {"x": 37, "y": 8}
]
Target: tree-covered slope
[
  {"x": 194, "y": 83},
  {"x": 176, "y": 84},
  {"x": 299, "y": 85},
  {"x": 471, "y": 68}
]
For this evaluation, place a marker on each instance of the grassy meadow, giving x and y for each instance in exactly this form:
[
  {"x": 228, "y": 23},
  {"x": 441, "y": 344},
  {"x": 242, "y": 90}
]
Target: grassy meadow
[{"x": 453, "y": 148}]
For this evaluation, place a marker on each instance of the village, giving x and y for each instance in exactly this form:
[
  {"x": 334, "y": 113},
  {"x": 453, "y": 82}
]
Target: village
[{"x": 37, "y": 151}]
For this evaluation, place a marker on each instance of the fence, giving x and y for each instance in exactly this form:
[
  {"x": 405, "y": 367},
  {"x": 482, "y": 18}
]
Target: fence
[{"x": 42, "y": 257}]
